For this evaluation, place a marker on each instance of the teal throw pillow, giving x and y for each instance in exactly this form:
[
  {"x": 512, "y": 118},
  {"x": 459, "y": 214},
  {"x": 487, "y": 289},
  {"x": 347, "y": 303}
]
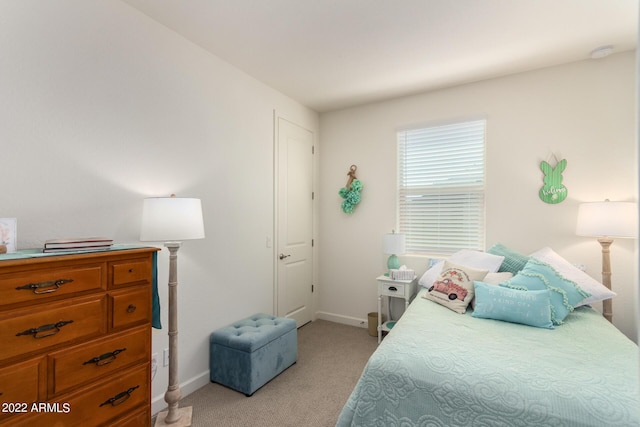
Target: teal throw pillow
[
  {"x": 537, "y": 275},
  {"x": 531, "y": 308},
  {"x": 513, "y": 261}
]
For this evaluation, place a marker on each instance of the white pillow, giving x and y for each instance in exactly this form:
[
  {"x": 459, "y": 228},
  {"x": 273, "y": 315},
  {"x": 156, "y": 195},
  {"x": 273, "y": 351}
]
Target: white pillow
[
  {"x": 464, "y": 257},
  {"x": 497, "y": 278},
  {"x": 598, "y": 291}
]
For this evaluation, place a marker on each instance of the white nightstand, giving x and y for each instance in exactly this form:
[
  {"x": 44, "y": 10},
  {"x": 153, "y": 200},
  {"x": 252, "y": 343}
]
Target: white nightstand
[{"x": 397, "y": 289}]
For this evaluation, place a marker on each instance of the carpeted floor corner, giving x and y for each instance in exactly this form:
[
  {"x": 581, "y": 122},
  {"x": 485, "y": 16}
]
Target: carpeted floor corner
[{"x": 311, "y": 393}]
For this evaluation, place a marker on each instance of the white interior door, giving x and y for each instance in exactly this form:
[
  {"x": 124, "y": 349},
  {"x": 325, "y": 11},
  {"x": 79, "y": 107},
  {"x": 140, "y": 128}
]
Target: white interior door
[{"x": 294, "y": 285}]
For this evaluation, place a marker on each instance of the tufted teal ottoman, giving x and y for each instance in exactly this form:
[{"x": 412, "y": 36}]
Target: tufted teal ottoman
[{"x": 249, "y": 353}]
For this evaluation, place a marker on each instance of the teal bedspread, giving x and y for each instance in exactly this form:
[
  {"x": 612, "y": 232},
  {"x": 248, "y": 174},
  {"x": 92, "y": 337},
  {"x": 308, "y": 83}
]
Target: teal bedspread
[{"x": 437, "y": 368}]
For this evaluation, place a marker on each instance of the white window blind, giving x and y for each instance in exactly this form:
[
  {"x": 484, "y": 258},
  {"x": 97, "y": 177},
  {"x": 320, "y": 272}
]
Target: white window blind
[{"x": 441, "y": 187}]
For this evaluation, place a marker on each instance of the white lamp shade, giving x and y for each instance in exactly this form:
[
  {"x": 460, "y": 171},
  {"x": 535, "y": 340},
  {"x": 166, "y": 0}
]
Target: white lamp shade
[
  {"x": 608, "y": 219},
  {"x": 393, "y": 244},
  {"x": 170, "y": 219}
]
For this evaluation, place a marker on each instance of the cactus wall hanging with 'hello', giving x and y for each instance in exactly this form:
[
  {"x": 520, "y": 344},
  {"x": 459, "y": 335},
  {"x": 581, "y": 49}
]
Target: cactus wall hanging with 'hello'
[{"x": 553, "y": 190}]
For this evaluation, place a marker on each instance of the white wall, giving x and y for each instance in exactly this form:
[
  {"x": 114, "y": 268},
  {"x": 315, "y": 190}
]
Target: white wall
[
  {"x": 101, "y": 107},
  {"x": 584, "y": 112}
]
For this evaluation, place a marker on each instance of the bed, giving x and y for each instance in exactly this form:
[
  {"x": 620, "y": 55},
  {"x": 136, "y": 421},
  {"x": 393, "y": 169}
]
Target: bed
[{"x": 440, "y": 368}]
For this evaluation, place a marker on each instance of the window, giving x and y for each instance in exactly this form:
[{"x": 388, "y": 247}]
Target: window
[{"x": 441, "y": 187}]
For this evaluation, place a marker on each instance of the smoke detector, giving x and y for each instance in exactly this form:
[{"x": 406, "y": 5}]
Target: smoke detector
[{"x": 601, "y": 52}]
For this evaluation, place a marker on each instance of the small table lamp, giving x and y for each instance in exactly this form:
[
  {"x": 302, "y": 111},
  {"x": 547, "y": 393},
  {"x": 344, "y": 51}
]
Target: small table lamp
[
  {"x": 606, "y": 220},
  {"x": 170, "y": 220},
  {"x": 393, "y": 244}
]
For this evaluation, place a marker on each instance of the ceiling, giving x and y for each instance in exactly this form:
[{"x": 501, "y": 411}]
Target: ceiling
[{"x": 332, "y": 54}]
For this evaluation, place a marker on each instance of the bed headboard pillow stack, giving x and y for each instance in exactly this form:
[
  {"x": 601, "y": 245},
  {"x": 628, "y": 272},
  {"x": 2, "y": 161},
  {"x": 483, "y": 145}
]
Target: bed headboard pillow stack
[{"x": 505, "y": 292}]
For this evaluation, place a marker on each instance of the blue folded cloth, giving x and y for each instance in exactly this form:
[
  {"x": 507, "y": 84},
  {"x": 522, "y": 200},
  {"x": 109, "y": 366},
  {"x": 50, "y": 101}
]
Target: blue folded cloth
[{"x": 155, "y": 310}]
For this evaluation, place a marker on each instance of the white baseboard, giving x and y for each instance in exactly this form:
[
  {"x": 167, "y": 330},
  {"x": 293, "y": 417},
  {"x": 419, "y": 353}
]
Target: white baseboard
[
  {"x": 345, "y": 320},
  {"x": 188, "y": 387}
]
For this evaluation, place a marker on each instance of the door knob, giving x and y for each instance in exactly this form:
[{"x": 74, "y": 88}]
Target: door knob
[{"x": 283, "y": 256}]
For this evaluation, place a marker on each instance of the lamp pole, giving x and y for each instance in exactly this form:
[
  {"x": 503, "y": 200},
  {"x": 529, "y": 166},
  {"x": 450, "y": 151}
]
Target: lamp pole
[
  {"x": 173, "y": 394},
  {"x": 606, "y": 242}
]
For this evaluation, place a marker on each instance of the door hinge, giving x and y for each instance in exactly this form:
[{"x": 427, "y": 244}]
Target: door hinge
[
  {"x": 312, "y": 242},
  {"x": 313, "y": 195},
  {"x": 313, "y": 149},
  {"x": 311, "y": 288}
]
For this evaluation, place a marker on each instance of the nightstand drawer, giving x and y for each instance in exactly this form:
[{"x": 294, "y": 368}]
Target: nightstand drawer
[{"x": 395, "y": 289}]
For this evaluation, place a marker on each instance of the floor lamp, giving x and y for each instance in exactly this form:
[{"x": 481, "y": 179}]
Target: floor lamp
[
  {"x": 171, "y": 220},
  {"x": 606, "y": 220}
]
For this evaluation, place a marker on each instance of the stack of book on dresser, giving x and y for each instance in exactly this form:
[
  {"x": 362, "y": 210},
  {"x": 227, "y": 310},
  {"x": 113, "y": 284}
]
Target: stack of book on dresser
[{"x": 81, "y": 244}]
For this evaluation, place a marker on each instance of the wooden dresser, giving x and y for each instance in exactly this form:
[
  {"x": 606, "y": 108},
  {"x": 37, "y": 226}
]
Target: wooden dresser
[{"x": 75, "y": 339}]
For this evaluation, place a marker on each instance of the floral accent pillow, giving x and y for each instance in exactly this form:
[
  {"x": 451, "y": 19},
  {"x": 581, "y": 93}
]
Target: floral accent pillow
[{"x": 453, "y": 288}]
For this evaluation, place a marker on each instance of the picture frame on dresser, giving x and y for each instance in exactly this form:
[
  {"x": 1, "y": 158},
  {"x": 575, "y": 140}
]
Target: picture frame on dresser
[{"x": 8, "y": 234}]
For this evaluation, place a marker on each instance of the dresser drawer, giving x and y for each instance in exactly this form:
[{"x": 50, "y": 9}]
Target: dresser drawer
[
  {"x": 130, "y": 307},
  {"x": 100, "y": 404},
  {"x": 43, "y": 327},
  {"x": 40, "y": 285},
  {"x": 21, "y": 384},
  {"x": 131, "y": 271},
  {"x": 86, "y": 362}
]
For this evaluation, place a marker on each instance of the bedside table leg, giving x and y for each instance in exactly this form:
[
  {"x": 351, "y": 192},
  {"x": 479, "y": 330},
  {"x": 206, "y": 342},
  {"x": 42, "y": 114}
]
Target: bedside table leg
[{"x": 379, "y": 318}]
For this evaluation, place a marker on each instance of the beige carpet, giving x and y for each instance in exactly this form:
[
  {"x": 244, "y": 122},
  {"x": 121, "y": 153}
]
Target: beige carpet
[{"x": 311, "y": 393}]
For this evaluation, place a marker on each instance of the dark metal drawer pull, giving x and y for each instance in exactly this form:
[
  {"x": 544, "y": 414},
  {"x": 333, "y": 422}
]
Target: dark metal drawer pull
[
  {"x": 131, "y": 308},
  {"x": 53, "y": 327},
  {"x": 37, "y": 287},
  {"x": 119, "y": 398},
  {"x": 105, "y": 359},
  {"x": 393, "y": 288}
]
